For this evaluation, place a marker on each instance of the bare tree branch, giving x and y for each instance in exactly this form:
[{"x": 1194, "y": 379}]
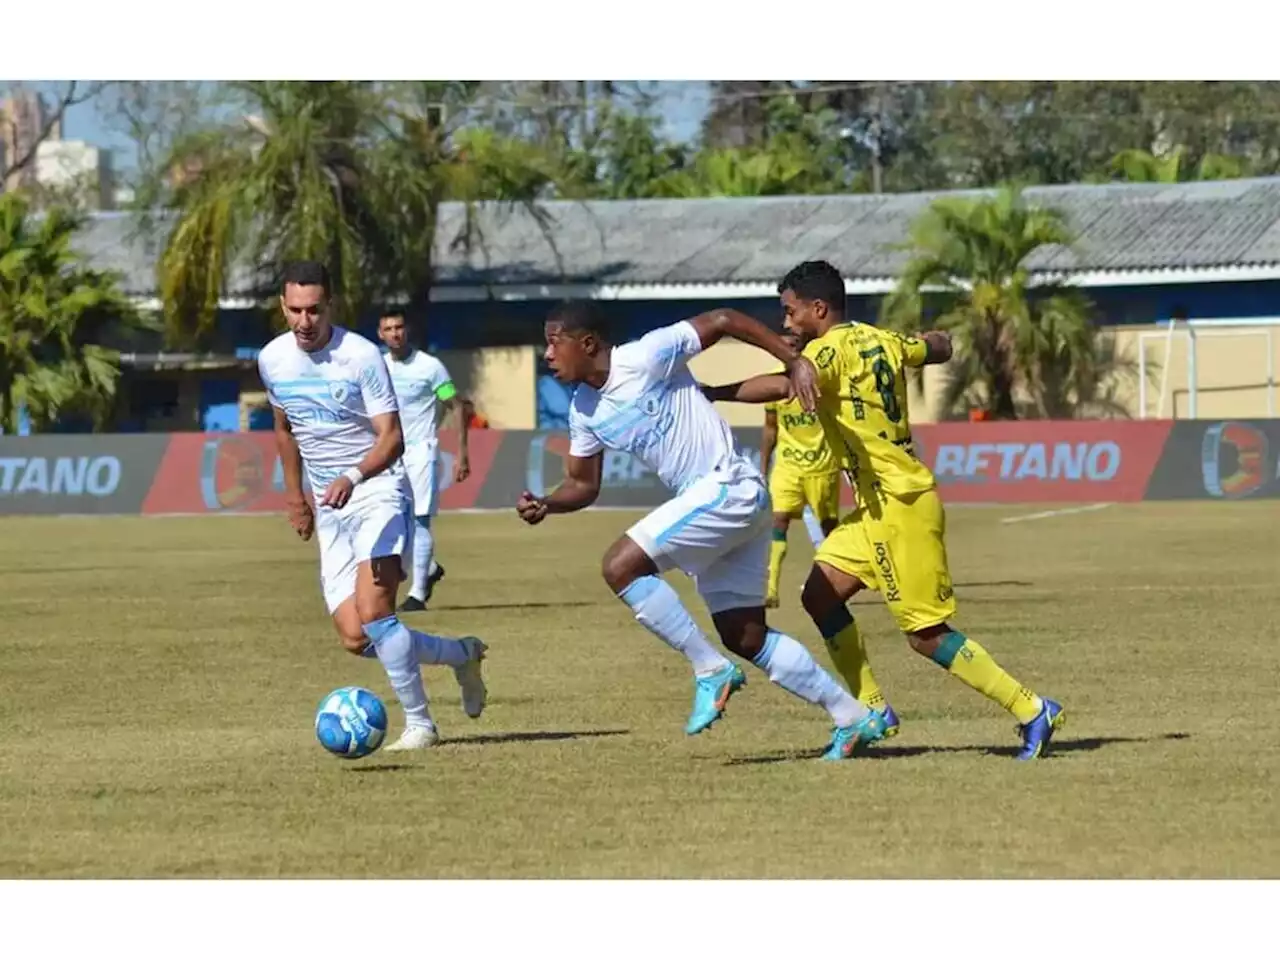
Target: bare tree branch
[{"x": 73, "y": 95}]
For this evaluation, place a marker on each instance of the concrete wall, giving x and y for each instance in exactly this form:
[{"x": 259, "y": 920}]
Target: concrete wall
[{"x": 501, "y": 382}]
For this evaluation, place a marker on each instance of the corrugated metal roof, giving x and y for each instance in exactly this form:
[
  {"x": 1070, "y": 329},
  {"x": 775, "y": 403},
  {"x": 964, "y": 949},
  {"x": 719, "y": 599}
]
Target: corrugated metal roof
[{"x": 1121, "y": 227}]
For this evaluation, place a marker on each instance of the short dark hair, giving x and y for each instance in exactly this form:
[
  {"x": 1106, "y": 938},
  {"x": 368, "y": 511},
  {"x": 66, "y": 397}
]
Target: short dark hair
[
  {"x": 580, "y": 316},
  {"x": 306, "y": 273},
  {"x": 816, "y": 280}
]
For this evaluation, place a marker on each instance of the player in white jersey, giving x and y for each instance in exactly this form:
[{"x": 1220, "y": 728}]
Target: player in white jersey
[
  {"x": 425, "y": 392},
  {"x": 641, "y": 398},
  {"x": 336, "y": 419}
]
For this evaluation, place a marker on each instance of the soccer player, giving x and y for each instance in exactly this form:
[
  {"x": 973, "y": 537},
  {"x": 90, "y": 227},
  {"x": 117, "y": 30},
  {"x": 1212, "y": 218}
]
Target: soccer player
[
  {"x": 336, "y": 419},
  {"x": 804, "y": 475},
  {"x": 894, "y": 539},
  {"x": 425, "y": 394},
  {"x": 640, "y": 398}
]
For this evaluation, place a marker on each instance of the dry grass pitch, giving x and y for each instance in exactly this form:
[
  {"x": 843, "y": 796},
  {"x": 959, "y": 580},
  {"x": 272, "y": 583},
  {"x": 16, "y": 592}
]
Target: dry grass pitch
[{"x": 160, "y": 678}]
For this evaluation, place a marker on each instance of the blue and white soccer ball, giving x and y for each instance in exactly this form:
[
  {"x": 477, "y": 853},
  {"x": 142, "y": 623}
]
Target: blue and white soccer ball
[{"x": 351, "y": 722}]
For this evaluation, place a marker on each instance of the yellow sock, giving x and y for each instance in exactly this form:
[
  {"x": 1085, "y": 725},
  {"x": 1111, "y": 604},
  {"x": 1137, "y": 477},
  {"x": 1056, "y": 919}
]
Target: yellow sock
[
  {"x": 849, "y": 654},
  {"x": 777, "y": 550},
  {"x": 969, "y": 662}
]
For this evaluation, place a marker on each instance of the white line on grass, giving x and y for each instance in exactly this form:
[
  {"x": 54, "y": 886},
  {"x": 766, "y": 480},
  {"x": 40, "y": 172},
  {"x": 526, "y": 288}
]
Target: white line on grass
[{"x": 1065, "y": 511}]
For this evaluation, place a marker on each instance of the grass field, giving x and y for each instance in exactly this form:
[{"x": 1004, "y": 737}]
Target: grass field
[{"x": 160, "y": 678}]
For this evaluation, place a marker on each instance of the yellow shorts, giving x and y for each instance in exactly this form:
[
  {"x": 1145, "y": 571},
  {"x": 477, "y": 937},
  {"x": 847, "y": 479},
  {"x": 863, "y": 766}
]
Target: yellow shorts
[
  {"x": 791, "y": 491},
  {"x": 897, "y": 546}
]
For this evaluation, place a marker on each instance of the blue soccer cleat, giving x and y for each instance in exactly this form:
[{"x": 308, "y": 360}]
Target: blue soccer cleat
[
  {"x": 846, "y": 740},
  {"x": 1037, "y": 734},
  {"x": 710, "y": 694},
  {"x": 891, "y": 723}
]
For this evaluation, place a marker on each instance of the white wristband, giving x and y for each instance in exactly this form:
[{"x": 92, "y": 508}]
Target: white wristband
[{"x": 354, "y": 475}]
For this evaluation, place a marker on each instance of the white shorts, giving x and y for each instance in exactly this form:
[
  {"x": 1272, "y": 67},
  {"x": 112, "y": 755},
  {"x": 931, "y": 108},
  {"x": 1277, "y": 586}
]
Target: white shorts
[
  {"x": 717, "y": 531},
  {"x": 422, "y": 467},
  {"x": 374, "y": 523}
]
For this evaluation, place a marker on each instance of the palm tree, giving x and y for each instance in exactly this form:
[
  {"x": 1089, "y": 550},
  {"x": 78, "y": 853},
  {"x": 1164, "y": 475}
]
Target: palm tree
[
  {"x": 1142, "y": 166},
  {"x": 351, "y": 173},
  {"x": 1020, "y": 347},
  {"x": 54, "y": 314}
]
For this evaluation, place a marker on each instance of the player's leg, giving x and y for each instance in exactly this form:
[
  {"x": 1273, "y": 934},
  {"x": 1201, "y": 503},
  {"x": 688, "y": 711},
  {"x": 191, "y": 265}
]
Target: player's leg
[
  {"x": 632, "y": 568},
  {"x": 380, "y": 536},
  {"x": 821, "y": 506},
  {"x": 917, "y": 585},
  {"x": 787, "y": 497},
  {"x": 727, "y": 550},
  {"x": 422, "y": 474},
  {"x": 729, "y": 587},
  {"x": 842, "y": 566}
]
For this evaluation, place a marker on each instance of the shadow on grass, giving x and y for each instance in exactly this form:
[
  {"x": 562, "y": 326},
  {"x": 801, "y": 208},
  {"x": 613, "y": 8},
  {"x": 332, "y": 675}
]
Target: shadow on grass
[
  {"x": 381, "y": 768},
  {"x": 535, "y": 605},
  {"x": 530, "y": 736},
  {"x": 890, "y": 751}
]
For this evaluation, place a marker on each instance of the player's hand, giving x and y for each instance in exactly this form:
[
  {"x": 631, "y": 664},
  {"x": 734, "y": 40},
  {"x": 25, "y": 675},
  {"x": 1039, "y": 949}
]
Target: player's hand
[
  {"x": 338, "y": 493},
  {"x": 301, "y": 517},
  {"x": 461, "y": 469},
  {"x": 532, "y": 509},
  {"x": 804, "y": 383}
]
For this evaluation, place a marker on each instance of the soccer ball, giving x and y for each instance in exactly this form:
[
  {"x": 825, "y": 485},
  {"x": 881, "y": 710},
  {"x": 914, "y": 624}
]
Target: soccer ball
[{"x": 351, "y": 722}]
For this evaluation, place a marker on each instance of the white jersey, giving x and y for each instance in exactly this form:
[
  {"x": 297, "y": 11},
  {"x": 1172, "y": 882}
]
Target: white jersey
[
  {"x": 652, "y": 408},
  {"x": 422, "y": 384},
  {"x": 331, "y": 396}
]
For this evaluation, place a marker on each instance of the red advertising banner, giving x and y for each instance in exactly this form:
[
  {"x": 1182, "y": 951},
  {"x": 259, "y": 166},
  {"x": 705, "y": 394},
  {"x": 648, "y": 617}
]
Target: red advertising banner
[
  {"x": 1054, "y": 461},
  {"x": 241, "y": 473}
]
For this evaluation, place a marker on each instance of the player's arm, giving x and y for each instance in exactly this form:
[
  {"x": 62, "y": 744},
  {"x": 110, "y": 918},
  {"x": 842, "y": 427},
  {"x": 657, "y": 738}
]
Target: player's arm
[
  {"x": 713, "y": 326},
  {"x": 301, "y": 516},
  {"x": 579, "y": 489},
  {"x": 447, "y": 395},
  {"x": 769, "y": 437},
  {"x": 387, "y": 448},
  {"x": 933, "y": 346},
  {"x": 767, "y": 388}
]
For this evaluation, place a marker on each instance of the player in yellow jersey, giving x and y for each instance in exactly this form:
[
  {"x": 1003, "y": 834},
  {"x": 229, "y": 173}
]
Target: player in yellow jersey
[
  {"x": 804, "y": 473},
  {"x": 894, "y": 540}
]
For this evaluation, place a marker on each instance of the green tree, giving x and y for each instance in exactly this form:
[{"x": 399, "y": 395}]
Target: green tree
[
  {"x": 1019, "y": 348},
  {"x": 1142, "y": 166},
  {"x": 351, "y": 173},
  {"x": 56, "y": 318}
]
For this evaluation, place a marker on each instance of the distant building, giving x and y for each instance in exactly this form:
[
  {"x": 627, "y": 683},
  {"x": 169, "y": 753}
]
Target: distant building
[
  {"x": 77, "y": 171},
  {"x": 23, "y": 119}
]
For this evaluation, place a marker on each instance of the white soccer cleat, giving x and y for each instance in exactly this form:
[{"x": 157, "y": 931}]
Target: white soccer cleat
[
  {"x": 416, "y": 738},
  {"x": 471, "y": 679}
]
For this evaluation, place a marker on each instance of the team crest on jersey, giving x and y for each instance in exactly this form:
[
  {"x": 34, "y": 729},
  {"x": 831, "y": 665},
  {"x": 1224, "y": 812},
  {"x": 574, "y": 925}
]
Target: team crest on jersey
[
  {"x": 825, "y": 356},
  {"x": 339, "y": 391},
  {"x": 649, "y": 404}
]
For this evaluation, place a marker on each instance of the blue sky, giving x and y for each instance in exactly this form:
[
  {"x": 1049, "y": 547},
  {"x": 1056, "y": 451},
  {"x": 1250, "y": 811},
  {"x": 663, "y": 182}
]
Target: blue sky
[{"x": 682, "y": 104}]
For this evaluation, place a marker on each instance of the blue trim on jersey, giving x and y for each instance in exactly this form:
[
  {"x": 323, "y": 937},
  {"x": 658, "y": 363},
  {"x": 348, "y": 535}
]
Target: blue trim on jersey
[{"x": 692, "y": 515}]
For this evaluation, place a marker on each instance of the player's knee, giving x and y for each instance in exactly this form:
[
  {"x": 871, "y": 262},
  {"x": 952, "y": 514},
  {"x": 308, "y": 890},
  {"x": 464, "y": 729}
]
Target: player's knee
[
  {"x": 742, "y": 632},
  {"x": 624, "y": 562},
  {"x": 781, "y": 521}
]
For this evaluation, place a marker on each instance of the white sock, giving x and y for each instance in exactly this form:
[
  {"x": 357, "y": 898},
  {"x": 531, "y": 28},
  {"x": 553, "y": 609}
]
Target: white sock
[
  {"x": 814, "y": 527},
  {"x": 424, "y": 546},
  {"x": 659, "y": 610},
  {"x": 395, "y": 649},
  {"x": 431, "y": 649},
  {"x": 793, "y": 668}
]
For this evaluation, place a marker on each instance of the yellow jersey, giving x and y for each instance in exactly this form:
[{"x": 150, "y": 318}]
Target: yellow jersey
[
  {"x": 802, "y": 443},
  {"x": 863, "y": 408}
]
